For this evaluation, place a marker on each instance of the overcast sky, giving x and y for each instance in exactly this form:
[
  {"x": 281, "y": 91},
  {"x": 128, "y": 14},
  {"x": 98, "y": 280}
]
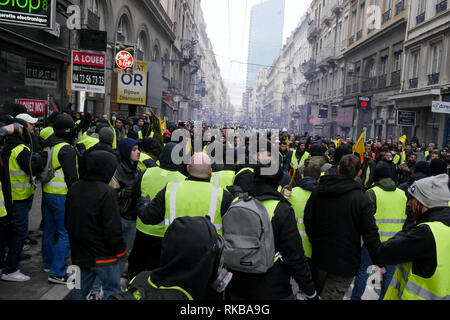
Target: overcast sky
[{"x": 228, "y": 23}]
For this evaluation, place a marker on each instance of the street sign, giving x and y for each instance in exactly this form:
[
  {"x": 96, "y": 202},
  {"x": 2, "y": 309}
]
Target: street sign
[
  {"x": 40, "y": 75},
  {"x": 28, "y": 13},
  {"x": 406, "y": 118},
  {"x": 88, "y": 72},
  {"x": 323, "y": 112},
  {"x": 33, "y": 106},
  {"x": 440, "y": 107}
]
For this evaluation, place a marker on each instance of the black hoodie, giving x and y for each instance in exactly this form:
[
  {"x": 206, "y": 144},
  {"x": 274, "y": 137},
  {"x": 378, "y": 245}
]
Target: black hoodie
[
  {"x": 92, "y": 214},
  {"x": 188, "y": 258},
  {"x": 337, "y": 214}
]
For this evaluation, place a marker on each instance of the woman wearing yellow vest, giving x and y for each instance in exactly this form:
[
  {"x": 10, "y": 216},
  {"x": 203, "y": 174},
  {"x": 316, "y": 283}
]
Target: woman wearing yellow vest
[
  {"x": 421, "y": 252},
  {"x": 19, "y": 188}
]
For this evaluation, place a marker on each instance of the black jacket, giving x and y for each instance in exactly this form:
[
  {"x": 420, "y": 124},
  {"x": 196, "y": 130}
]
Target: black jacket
[
  {"x": 92, "y": 216},
  {"x": 337, "y": 214},
  {"x": 415, "y": 244},
  {"x": 275, "y": 283}
]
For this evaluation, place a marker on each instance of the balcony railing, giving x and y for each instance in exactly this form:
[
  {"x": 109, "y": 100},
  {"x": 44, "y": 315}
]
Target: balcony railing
[
  {"x": 382, "y": 81},
  {"x": 441, "y": 6},
  {"x": 369, "y": 84},
  {"x": 400, "y": 7},
  {"x": 312, "y": 31},
  {"x": 420, "y": 18},
  {"x": 395, "y": 78},
  {"x": 433, "y": 78},
  {"x": 387, "y": 16},
  {"x": 413, "y": 83}
]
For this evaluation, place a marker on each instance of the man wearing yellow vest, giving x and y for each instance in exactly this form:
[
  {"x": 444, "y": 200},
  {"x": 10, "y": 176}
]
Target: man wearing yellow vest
[
  {"x": 65, "y": 163},
  {"x": 299, "y": 156},
  {"x": 147, "y": 244},
  {"x": 195, "y": 196},
  {"x": 390, "y": 216},
  {"x": 19, "y": 190},
  {"x": 275, "y": 283},
  {"x": 421, "y": 252},
  {"x": 150, "y": 152}
]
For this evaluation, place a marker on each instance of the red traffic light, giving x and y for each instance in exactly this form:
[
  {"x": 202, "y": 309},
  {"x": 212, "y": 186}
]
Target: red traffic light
[
  {"x": 364, "y": 104},
  {"x": 312, "y": 121}
]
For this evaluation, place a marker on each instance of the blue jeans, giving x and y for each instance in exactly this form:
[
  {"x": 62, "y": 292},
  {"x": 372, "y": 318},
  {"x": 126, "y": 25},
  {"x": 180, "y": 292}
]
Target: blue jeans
[
  {"x": 108, "y": 275},
  {"x": 363, "y": 276},
  {"x": 54, "y": 255},
  {"x": 20, "y": 215},
  {"x": 128, "y": 235}
]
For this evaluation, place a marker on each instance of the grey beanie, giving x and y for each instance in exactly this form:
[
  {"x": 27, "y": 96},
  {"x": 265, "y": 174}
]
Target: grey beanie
[
  {"x": 106, "y": 135},
  {"x": 432, "y": 192}
]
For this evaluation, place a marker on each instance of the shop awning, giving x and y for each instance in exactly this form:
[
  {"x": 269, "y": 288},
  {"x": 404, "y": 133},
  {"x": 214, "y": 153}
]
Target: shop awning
[{"x": 171, "y": 106}]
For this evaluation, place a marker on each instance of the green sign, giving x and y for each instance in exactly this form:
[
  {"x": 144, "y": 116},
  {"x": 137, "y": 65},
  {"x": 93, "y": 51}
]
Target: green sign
[{"x": 29, "y": 13}]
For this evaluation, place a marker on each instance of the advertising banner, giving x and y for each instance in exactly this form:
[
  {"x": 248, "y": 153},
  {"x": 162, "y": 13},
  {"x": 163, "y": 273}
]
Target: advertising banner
[
  {"x": 132, "y": 87},
  {"x": 440, "y": 107},
  {"x": 33, "y": 106},
  {"x": 88, "y": 72},
  {"x": 28, "y": 13}
]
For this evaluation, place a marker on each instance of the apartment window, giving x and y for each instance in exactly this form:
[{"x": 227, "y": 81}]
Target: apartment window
[
  {"x": 415, "y": 60},
  {"x": 433, "y": 77},
  {"x": 93, "y": 6},
  {"x": 387, "y": 11},
  {"x": 122, "y": 30},
  {"x": 441, "y": 6},
  {"x": 354, "y": 23},
  {"x": 384, "y": 64},
  {"x": 140, "y": 46},
  {"x": 362, "y": 16},
  {"x": 421, "y": 11}
]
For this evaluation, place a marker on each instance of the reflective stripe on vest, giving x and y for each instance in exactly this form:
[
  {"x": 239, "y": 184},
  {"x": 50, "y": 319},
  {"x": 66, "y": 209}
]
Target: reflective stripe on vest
[
  {"x": 192, "y": 199},
  {"x": 171, "y": 288},
  {"x": 21, "y": 187},
  {"x": 405, "y": 285},
  {"x": 153, "y": 181},
  {"x": 391, "y": 212},
  {"x": 58, "y": 184},
  {"x": 298, "y": 199},
  {"x": 223, "y": 179},
  {"x": 3, "y": 211}
]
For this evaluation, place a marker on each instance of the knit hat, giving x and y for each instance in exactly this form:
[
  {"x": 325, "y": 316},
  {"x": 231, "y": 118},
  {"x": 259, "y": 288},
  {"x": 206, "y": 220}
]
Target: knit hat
[
  {"x": 316, "y": 149},
  {"x": 423, "y": 167},
  {"x": 106, "y": 135},
  {"x": 382, "y": 171},
  {"x": 438, "y": 166},
  {"x": 432, "y": 192},
  {"x": 63, "y": 122}
]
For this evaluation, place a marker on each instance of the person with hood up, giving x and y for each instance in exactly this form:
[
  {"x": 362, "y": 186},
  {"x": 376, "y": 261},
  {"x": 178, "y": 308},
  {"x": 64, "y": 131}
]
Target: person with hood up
[
  {"x": 150, "y": 151},
  {"x": 337, "y": 215},
  {"x": 421, "y": 252},
  {"x": 390, "y": 216},
  {"x": 318, "y": 157},
  {"x": 147, "y": 245},
  {"x": 275, "y": 284},
  {"x": 123, "y": 180},
  {"x": 190, "y": 267},
  {"x": 93, "y": 223},
  {"x": 65, "y": 163}
]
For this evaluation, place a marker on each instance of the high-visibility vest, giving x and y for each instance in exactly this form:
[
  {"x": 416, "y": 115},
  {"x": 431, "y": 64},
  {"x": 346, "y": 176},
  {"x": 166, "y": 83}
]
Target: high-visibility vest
[
  {"x": 298, "y": 199},
  {"x": 391, "y": 212},
  {"x": 143, "y": 157},
  {"x": 271, "y": 206},
  {"x": 193, "y": 199},
  {"x": 137, "y": 294},
  {"x": 21, "y": 186},
  {"x": 88, "y": 141},
  {"x": 294, "y": 162},
  {"x": 407, "y": 286},
  {"x": 153, "y": 181},
  {"x": 223, "y": 179},
  {"x": 367, "y": 175},
  {"x": 396, "y": 159},
  {"x": 141, "y": 135},
  {"x": 80, "y": 133},
  {"x": 58, "y": 184},
  {"x": 46, "y": 133},
  {"x": 3, "y": 211}
]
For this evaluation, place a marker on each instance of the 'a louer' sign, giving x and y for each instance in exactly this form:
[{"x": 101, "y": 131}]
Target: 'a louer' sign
[{"x": 29, "y": 13}]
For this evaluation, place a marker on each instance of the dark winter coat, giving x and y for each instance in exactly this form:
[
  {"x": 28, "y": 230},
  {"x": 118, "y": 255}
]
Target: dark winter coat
[
  {"x": 337, "y": 214},
  {"x": 92, "y": 215},
  {"x": 275, "y": 283}
]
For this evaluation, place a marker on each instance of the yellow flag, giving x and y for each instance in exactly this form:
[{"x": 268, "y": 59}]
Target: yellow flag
[
  {"x": 339, "y": 143},
  {"x": 403, "y": 141},
  {"x": 163, "y": 125},
  {"x": 359, "y": 145},
  {"x": 287, "y": 143}
]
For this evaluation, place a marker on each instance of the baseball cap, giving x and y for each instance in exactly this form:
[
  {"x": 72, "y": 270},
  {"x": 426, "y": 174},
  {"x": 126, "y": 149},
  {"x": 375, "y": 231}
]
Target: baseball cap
[{"x": 26, "y": 117}]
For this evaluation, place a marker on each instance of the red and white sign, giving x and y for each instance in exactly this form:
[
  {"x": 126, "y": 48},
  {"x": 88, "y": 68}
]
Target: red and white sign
[
  {"x": 33, "y": 106},
  {"x": 89, "y": 59},
  {"x": 124, "y": 60}
]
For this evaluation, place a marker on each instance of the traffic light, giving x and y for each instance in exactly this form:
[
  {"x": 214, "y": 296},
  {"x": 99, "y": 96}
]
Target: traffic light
[
  {"x": 364, "y": 103},
  {"x": 312, "y": 120}
]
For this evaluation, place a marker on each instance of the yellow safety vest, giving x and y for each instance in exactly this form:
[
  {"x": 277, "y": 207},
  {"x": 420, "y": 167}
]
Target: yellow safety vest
[
  {"x": 298, "y": 199},
  {"x": 21, "y": 186},
  {"x": 271, "y": 206},
  {"x": 294, "y": 162},
  {"x": 58, "y": 184},
  {"x": 154, "y": 180},
  {"x": 3, "y": 211},
  {"x": 46, "y": 133},
  {"x": 407, "y": 286},
  {"x": 143, "y": 157},
  {"x": 88, "y": 141},
  {"x": 193, "y": 199},
  {"x": 223, "y": 179}
]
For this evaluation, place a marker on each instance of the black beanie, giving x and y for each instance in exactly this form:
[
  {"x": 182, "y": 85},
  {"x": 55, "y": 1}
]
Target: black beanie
[
  {"x": 437, "y": 167},
  {"x": 382, "y": 171},
  {"x": 63, "y": 122}
]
